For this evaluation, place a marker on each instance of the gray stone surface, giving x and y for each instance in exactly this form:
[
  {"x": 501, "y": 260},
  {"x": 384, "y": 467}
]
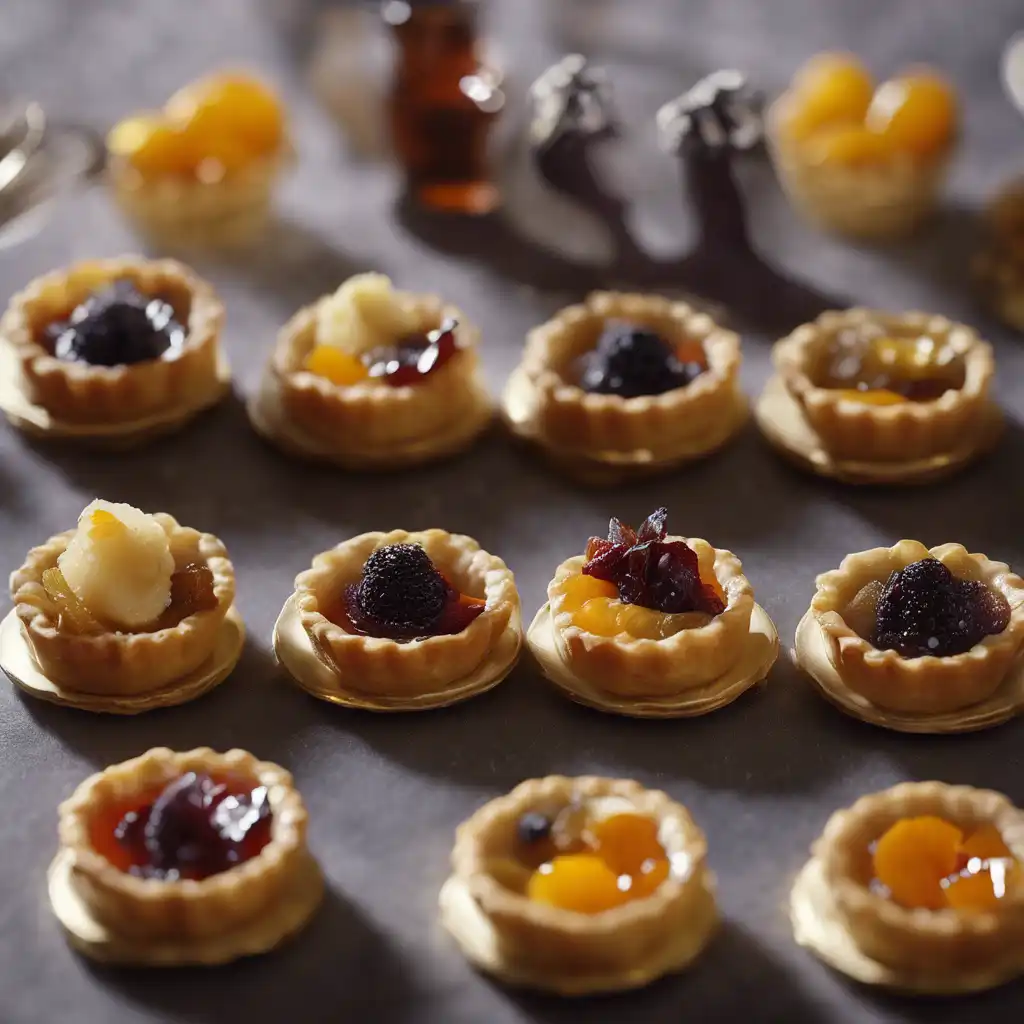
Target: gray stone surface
[{"x": 385, "y": 793}]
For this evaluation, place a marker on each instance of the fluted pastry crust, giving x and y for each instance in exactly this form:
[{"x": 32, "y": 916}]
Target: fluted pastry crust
[
  {"x": 902, "y": 431},
  {"x": 921, "y": 939},
  {"x": 569, "y": 417},
  {"x": 632, "y": 667},
  {"x": 875, "y": 201},
  {"x": 372, "y": 414},
  {"x": 386, "y": 667},
  {"x": 562, "y": 942},
  {"x": 80, "y": 393},
  {"x": 927, "y": 684},
  {"x": 122, "y": 663},
  {"x": 156, "y": 908}
]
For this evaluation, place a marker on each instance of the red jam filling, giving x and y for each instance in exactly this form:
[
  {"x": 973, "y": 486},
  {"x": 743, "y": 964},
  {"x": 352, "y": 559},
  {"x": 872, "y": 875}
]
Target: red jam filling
[
  {"x": 412, "y": 359},
  {"x": 196, "y": 826}
]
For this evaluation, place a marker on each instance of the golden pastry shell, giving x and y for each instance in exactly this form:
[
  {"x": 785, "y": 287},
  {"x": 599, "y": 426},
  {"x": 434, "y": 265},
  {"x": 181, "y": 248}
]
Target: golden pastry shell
[
  {"x": 116, "y": 663},
  {"x": 153, "y": 908},
  {"x": 919, "y": 938},
  {"x": 630, "y": 666},
  {"x": 569, "y": 416},
  {"x": 386, "y": 667},
  {"x": 371, "y": 413},
  {"x": 903, "y": 431},
  {"x": 926, "y": 684},
  {"x": 563, "y": 940},
  {"x": 79, "y": 392}
]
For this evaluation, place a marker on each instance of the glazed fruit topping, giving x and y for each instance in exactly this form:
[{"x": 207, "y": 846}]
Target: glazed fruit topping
[
  {"x": 117, "y": 326},
  {"x": 924, "y": 609},
  {"x": 631, "y": 360},
  {"x": 591, "y": 864},
  {"x": 928, "y": 862},
  {"x": 651, "y": 571},
  {"x": 412, "y": 359},
  {"x": 196, "y": 827},
  {"x": 73, "y": 616},
  {"x": 403, "y": 596}
]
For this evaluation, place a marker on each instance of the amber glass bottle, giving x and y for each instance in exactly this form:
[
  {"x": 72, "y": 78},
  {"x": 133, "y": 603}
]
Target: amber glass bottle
[{"x": 443, "y": 104}]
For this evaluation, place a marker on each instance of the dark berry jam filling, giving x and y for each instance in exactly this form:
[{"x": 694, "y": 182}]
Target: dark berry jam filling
[
  {"x": 118, "y": 326},
  {"x": 411, "y": 359},
  {"x": 649, "y": 570},
  {"x": 402, "y": 596},
  {"x": 924, "y": 609},
  {"x": 196, "y": 826},
  {"x": 630, "y": 360}
]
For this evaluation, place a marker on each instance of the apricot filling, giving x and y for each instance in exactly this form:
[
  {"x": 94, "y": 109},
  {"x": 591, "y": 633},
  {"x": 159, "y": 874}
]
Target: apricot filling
[
  {"x": 837, "y": 114},
  {"x": 588, "y": 864},
  {"x": 403, "y": 596},
  {"x": 196, "y": 826},
  {"x": 928, "y": 862}
]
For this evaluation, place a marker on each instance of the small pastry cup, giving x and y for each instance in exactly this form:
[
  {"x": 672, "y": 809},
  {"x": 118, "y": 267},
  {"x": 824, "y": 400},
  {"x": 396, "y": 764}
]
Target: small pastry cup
[
  {"x": 54, "y": 396},
  {"x": 876, "y": 203},
  {"x": 187, "y": 213},
  {"x": 961, "y": 692},
  {"x": 998, "y": 266},
  {"x": 839, "y": 918},
  {"x": 530, "y": 944},
  {"x": 113, "y": 669},
  {"x": 377, "y": 674},
  {"x": 112, "y": 916}
]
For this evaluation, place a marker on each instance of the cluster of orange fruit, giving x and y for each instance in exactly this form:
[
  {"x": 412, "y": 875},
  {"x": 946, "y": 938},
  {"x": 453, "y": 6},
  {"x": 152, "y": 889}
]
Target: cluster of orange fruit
[
  {"x": 210, "y": 128},
  {"x": 834, "y": 109}
]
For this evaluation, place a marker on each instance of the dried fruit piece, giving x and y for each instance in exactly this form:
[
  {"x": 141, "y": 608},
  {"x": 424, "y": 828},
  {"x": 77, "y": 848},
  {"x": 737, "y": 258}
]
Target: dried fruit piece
[
  {"x": 335, "y": 365},
  {"x": 981, "y": 884},
  {"x": 984, "y": 842},
  {"x": 577, "y": 590},
  {"x": 625, "y": 842},
  {"x": 630, "y": 360},
  {"x": 598, "y": 616},
  {"x": 73, "y": 614},
  {"x": 914, "y": 857},
  {"x": 915, "y": 113},
  {"x": 847, "y": 145},
  {"x": 925, "y": 610},
  {"x": 191, "y": 592},
  {"x": 829, "y": 88},
  {"x": 412, "y": 359},
  {"x": 862, "y": 612},
  {"x": 152, "y": 145},
  {"x": 579, "y": 882}
]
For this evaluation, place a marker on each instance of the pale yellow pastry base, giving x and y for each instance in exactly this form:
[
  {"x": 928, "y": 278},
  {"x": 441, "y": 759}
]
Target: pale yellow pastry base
[
  {"x": 609, "y": 468},
  {"x": 270, "y": 929},
  {"x": 759, "y": 654},
  {"x": 784, "y": 424},
  {"x": 36, "y": 421},
  {"x": 268, "y": 419},
  {"x": 817, "y": 927},
  {"x": 18, "y": 661},
  {"x": 811, "y": 656},
  {"x": 480, "y": 944},
  {"x": 297, "y": 657}
]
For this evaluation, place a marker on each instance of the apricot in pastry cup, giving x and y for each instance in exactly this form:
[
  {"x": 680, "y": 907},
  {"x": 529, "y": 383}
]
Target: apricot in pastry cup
[
  {"x": 917, "y": 888},
  {"x": 624, "y": 385},
  {"x": 681, "y": 638},
  {"x": 183, "y": 858},
  {"x": 401, "y": 622},
  {"x": 580, "y": 886},
  {"x": 125, "y": 613},
  {"x": 863, "y": 162},
  {"x": 113, "y": 352},
  {"x": 865, "y": 396},
  {"x": 374, "y": 378},
  {"x": 201, "y": 172},
  {"x": 918, "y": 639}
]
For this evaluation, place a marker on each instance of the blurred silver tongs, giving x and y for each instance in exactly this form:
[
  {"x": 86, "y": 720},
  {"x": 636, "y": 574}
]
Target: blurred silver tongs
[{"x": 40, "y": 161}]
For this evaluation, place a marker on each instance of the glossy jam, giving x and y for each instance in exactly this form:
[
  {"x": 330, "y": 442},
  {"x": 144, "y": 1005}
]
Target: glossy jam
[{"x": 195, "y": 827}]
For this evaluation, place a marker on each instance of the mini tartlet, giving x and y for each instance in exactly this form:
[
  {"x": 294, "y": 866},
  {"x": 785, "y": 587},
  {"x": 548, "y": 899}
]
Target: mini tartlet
[
  {"x": 201, "y": 171},
  {"x": 113, "y": 349},
  {"x": 868, "y": 396},
  {"x": 863, "y": 162},
  {"x": 871, "y": 623},
  {"x": 375, "y": 378},
  {"x": 955, "y": 921},
  {"x": 401, "y": 621},
  {"x": 515, "y": 924},
  {"x": 124, "y": 612},
  {"x": 627, "y": 383},
  {"x": 178, "y": 858},
  {"x": 998, "y": 266},
  {"x": 680, "y": 635}
]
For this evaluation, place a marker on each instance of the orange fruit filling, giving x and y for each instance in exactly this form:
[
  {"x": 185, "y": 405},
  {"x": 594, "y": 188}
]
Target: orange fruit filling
[
  {"x": 577, "y": 881},
  {"x": 927, "y": 862},
  {"x": 336, "y": 366},
  {"x": 915, "y": 112},
  {"x": 830, "y": 87}
]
